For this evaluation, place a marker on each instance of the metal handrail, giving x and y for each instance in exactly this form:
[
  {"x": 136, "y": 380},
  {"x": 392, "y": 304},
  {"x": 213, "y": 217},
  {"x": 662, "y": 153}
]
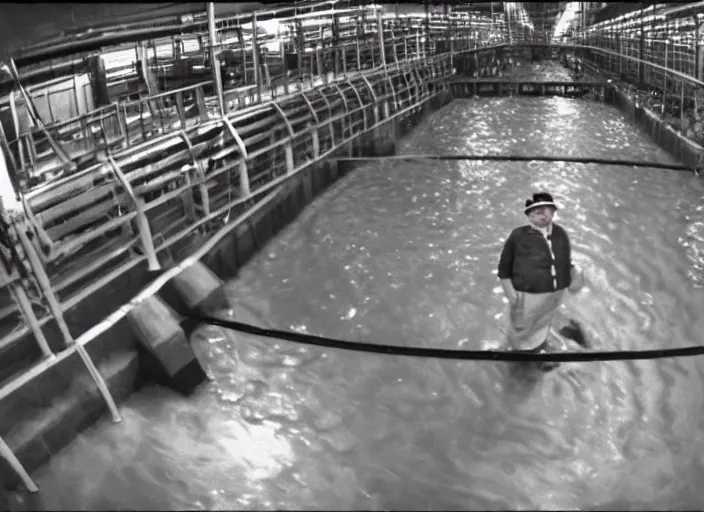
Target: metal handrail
[{"x": 269, "y": 187}]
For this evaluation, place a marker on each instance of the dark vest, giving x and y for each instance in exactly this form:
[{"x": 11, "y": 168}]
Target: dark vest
[{"x": 527, "y": 261}]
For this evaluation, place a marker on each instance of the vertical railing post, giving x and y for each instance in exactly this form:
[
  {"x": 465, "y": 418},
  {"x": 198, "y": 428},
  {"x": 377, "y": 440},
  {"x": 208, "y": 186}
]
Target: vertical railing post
[
  {"x": 641, "y": 50},
  {"x": 16, "y": 465},
  {"x": 242, "y": 170},
  {"x": 697, "y": 51},
  {"x": 371, "y": 46},
  {"x": 319, "y": 64},
  {"x": 256, "y": 57},
  {"x": 357, "y": 40},
  {"x": 331, "y": 128},
  {"x": 405, "y": 46},
  {"x": 426, "y": 42},
  {"x": 288, "y": 146},
  {"x": 243, "y": 176},
  {"x": 245, "y": 191},
  {"x": 243, "y": 51},
  {"x": 181, "y": 109},
  {"x": 288, "y": 153},
  {"x": 200, "y": 174},
  {"x": 284, "y": 61},
  {"x": 380, "y": 28},
  {"x": 361, "y": 105},
  {"x": 55, "y": 308},
  {"x": 664, "y": 84},
  {"x": 98, "y": 81},
  {"x": 145, "y": 233},
  {"x": 300, "y": 48},
  {"x": 335, "y": 43},
  {"x": 343, "y": 53},
  {"x": 18, "y": 293},
  {"x": 214, "y": 61},
  {"x": 11, "y": 170},
  {"x": 313, "y": 127},
  {"x": 315, "y": 138}
]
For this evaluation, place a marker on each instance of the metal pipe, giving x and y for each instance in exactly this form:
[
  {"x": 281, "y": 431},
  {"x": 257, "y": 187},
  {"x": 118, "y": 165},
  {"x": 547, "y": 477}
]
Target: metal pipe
[
  {"x": 15, "y": 464},
  {"x": 697, "y": 51},
  {"x": 382, "y": 49},
  {"x": 641, "y": 50},
  {"x": 142, "y": 221},
  {"x": 24, "y": 306},
  {"x": 257, "y": 63},
  {"x": 508, "y": 23},
  {"x": 300, "y": 47},
  {"x": 664, "y": 86},
  {"x": 214, "y": 61}
]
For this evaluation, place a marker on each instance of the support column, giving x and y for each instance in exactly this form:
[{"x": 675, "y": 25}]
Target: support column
[
  {"x": 697, "y": 51},
  {"x": 214, "y": 61},
  {"x": 257, "y": 58},
  {"x": 336, "y": 42},
  {"x": 641, "y": 50},
  {"x": 98, "y": 81},
  {"x": 380, "y": 28}
]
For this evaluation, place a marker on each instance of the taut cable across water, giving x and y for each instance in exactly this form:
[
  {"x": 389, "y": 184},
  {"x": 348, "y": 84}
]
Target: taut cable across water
[
  {"x": 437, "y": 353},
  {"x": 524, "y": 158}
]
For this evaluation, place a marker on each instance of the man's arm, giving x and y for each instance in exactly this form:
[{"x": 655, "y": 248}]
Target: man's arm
[{"x": 506, "y": 268}]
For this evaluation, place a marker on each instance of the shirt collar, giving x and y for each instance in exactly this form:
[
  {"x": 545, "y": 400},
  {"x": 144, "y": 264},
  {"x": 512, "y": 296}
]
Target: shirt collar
[{"x": 545, "y": 231}]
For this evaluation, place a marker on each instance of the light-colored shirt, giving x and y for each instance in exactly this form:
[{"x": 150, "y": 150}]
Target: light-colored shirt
[{"x": 547, "y": 232}]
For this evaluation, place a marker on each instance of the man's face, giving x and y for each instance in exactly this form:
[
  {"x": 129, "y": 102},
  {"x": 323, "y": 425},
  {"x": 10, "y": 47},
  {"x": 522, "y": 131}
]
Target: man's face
[{"x": 541, "y": 216}]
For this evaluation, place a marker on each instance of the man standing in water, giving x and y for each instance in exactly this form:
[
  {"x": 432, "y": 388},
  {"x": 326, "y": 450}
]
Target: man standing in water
[{"x": 535, "y": 269}]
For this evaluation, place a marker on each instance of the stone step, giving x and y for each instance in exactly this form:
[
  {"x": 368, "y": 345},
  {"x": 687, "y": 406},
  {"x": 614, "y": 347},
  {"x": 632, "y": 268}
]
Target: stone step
[
  {"x": 35, "y": 426},
  {"x": 20, "y": 354}
]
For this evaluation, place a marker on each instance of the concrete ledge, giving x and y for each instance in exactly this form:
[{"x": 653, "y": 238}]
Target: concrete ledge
[{"x": 47, "y": 427}]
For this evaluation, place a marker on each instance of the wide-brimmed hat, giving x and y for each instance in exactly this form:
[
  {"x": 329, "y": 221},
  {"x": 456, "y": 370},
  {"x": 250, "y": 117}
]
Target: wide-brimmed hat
[{"x": 539, "y": 199}]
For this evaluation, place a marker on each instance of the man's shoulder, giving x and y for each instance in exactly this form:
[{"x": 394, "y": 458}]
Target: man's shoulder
[
  {"x": 556, "y": 228},
  {"x": 519, "y": 231}
]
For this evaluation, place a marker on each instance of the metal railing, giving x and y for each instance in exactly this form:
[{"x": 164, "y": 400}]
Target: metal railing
[
  {"x": 83, "y": 231},
  {"x": 674, "y": 94}
]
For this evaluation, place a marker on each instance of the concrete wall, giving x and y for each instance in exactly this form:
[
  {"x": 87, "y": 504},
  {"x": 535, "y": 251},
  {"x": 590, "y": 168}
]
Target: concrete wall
[{"x": 685, "y": 150}]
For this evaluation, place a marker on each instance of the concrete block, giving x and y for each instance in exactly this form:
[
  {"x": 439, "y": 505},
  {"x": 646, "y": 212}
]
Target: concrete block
[{"x": 167, "y": 356}]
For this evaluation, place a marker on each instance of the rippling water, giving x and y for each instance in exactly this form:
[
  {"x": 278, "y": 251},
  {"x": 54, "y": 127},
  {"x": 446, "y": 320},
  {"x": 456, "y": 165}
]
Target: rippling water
[{"x": 406, "y": 253}]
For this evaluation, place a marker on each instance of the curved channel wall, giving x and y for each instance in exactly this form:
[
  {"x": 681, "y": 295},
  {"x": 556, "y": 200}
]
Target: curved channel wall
[
  {"x": 685, "y": 150},
  {"x": 238, "y": 179}
]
